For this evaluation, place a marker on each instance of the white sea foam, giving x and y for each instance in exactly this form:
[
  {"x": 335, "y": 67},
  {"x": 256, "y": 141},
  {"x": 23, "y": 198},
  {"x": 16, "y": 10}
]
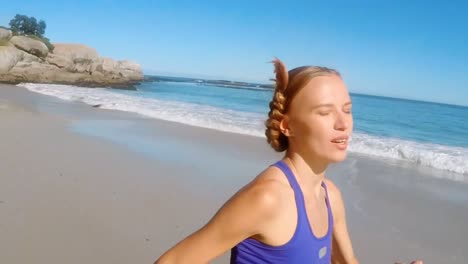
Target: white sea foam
[
  {"x": 186, "y": 113},
  {"x": 449, "y": 158},
  {"x": 454, "y": 159}
]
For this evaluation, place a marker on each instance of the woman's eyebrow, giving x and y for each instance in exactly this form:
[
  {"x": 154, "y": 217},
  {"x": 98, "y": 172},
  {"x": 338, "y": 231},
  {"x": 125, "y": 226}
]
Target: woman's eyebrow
[
  {"x": 322, "y": 105},
  {"x": 330, "y": 105}
]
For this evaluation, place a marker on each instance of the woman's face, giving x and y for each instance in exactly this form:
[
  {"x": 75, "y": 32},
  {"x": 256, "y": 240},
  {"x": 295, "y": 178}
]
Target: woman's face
[{"x": 319, "y": 119}]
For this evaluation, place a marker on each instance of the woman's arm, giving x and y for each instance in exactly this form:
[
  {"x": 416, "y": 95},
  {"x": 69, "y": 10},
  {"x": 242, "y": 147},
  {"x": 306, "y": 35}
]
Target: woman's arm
[
  {"x": 241, "y": 217},
  {"x": 342, "y": 249}
]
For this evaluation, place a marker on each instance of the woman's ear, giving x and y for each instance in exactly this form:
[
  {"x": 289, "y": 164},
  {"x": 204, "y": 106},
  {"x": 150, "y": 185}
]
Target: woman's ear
[{"x": 284, "y": 126}]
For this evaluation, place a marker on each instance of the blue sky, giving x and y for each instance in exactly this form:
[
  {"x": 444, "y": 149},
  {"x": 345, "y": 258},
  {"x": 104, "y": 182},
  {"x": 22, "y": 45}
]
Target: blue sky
[{"x": 407, "y": 49}]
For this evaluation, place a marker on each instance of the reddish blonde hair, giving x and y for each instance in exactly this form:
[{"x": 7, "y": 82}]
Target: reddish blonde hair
[{"x": 287, "y": 85}]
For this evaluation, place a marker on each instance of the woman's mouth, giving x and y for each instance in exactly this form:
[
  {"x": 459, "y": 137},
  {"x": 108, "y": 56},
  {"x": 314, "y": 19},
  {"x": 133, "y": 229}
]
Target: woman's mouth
[{"x": 341, "y": 142}]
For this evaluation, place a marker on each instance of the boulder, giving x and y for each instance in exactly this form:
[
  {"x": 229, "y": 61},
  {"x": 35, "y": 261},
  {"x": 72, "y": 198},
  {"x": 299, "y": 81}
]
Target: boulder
[
  {"x": 26, "y": 57},
  {"x": 5, "y": 36},
  {"x": 31, "y": 46},
  {"x": 130, "y": 70},
  {"x": 75, "y": 52},
  {"x": 9, "y": 56},
  {"x": 59, "y": 61}
]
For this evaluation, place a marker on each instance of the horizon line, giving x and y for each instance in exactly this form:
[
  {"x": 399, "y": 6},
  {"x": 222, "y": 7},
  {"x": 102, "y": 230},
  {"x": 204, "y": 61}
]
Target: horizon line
[{"x": 213, "y": 78}]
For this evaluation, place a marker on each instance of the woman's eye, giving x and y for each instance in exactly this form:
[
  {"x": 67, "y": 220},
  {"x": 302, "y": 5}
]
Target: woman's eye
[
  {"x": 324, "y": 113},
  {"x": 347, "y": 110}
]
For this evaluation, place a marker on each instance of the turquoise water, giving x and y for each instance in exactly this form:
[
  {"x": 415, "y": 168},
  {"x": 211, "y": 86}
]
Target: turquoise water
[
  {"x": 380, "y": 116},
  {"x": 424, "y": 133},
  {"x": 411, "y": 120}
]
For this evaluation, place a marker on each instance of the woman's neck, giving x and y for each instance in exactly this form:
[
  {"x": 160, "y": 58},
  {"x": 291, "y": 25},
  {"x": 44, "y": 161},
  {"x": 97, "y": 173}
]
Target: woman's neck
[{"x": 309, "y": 172}]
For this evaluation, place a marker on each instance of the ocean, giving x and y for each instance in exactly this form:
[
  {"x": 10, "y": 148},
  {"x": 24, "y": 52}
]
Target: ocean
[{"x": 424, "y": 133}]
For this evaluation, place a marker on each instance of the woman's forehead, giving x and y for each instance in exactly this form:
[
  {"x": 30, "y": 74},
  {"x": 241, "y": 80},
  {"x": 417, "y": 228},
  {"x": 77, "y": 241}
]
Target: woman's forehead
[{"x": 328, "y": 89}]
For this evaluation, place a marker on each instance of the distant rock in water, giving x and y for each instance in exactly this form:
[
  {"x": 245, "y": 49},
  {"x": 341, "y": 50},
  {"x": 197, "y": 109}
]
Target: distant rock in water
[{"x": 23, "y": 59}]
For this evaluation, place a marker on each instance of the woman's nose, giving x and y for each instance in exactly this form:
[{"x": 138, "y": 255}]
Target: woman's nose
[{"x": 341, "y": 122}]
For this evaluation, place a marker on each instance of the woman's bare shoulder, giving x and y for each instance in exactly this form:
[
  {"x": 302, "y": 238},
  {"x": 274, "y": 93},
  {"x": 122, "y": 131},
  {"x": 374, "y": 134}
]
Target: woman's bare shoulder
[
  {"x": 267, "y": 190},
  {"x": 252, "y": 206},
  {"x": 336, "y": 200},
  {"x": 332, "y": 189}
]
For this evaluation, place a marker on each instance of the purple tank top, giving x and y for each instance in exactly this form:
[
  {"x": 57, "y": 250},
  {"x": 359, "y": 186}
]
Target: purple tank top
[{"x": 304, "y": 246}]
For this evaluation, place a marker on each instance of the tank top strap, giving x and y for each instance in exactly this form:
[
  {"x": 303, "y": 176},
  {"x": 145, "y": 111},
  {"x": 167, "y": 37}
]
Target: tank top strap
[
  {"x": 327, "y": 201},
  {"x": 298, "y": 192},
  {"x": 293, "y": 182}
]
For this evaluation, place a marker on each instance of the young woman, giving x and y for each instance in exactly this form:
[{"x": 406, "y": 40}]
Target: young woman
[{"x": 290, "y": 213}]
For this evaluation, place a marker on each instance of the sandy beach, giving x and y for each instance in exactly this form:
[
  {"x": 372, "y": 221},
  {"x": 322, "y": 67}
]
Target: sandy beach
[{"x": 85, "y": 185}]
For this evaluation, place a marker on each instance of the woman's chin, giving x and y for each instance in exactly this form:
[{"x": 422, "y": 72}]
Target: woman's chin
[{"x": 337, "y": 157}]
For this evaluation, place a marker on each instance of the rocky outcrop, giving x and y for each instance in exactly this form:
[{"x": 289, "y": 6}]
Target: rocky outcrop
[{"x": 23, "y": 59}]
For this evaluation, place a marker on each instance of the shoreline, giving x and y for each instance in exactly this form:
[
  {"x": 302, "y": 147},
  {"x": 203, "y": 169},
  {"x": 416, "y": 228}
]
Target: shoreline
[
  {"x": 450, "y": 158},
  {"x": 132, "y": 186}
]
